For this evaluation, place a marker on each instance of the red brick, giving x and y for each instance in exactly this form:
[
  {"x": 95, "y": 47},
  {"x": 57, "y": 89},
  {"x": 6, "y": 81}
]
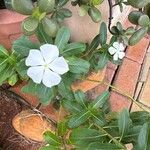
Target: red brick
[
  {"x": 92, "y": 94},
  {"x": 6, "y": 43},
  {"x": 50, "y": 112},
  {"x": 29, "y": 98},
  {"x": 112, "y": 66},
  {"x": 125, "y": 80},
  {"x": 137, "y": 52}
]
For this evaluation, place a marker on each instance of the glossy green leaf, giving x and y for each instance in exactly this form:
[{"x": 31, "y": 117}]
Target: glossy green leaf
[
  {"x": 51, "y": 138},
  {"x": 73, "y": 49},
  {"x": 65, "y": 12},
  {"x": 130, "y": 31},
  {"x": 78, "y": 119},
  {"x": 100, "y": 100},
  {"x": 103, "y": 33},
  {"x": 78, "y": 66},
  {"x": 24, "y": 7},
  {"x": 137, "y": 36},
  {"x": 62, "y": 38},
  {"x": 13, "y": 79}
]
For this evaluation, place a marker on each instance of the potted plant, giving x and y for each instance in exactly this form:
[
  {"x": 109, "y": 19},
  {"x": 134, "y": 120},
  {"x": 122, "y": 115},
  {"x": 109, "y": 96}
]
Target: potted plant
[{"x": 52, "y": 65}]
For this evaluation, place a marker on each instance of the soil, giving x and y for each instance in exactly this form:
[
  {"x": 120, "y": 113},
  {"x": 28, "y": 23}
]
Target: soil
[{"x": 9, "y": 138}]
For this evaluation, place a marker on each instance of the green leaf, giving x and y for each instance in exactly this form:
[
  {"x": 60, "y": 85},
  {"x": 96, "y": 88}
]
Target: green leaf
[
  {"x": 64, "y": 89},
  {"x": 29, "y": 25},
  {"x": 78, "y": 119},
  {"x": 144, "y": 20},
  {"x": 103, "y": 60},
  {"x": 49, "y": 147},
  {"x": 65, "y": 12},
  {"x": 138, "y": 3},
  {"x": 23, "y": 45},
  {"x": 62, "y": 38},
  {"x": 95, "y": 14},
  {"x": 73, "y": 49},
  {"x": 129, "y": 31},
  {"x": 124, "y": 122},
  {"x": 50, "y": 26},
  {"x": 134, "y": 16},
  {"x": 51, "y": 138},
  {"x": 103, "y": 146},
  {"x": 95, "y": 43},
  {"x": 80, "y": 97},
  {"x": 144, "y": 137},
  {"x": 103, "y": 33},
  {"x": 100, "y": 100},
  {"x": 21, "y": 68},
  {"x": 98, "y": 118},
  {"x": 137, "y": 36},
  {"x": 24, "y": 7},
  {"x": 82, "y": 137},
  {"x": 6, "y": 72},
  {"x": 13, "y": 79},
  {"x": 62, "y": 128},
  {"x": 46, "y": 5},
  {"x": 44, "y": 93},
  {"x": 72, "y": 106},
  {"x": 42, "y": 36},
  {"x": 3, "y": 52},
  {"x": 78, "y": 66},
  {"x": 139, "y": 117},
  {"x": 62, "y": 2}
]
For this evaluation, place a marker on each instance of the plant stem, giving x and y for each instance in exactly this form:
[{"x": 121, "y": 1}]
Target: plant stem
[
  {"x": 111, "y": 137},
  {"x": 143, "y": 107},
  {"x": 110, "y": 15}
]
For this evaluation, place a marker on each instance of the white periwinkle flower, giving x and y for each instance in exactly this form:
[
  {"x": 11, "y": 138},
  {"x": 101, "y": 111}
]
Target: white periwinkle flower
[
  {"x": 45, "y": 65},
  {"x": 117, "y": 50}
]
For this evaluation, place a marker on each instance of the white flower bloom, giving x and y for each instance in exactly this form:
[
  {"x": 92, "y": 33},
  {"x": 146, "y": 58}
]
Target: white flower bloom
[
  {"x": 117, "y": 50},
  {"x": 45, "y": 65}
]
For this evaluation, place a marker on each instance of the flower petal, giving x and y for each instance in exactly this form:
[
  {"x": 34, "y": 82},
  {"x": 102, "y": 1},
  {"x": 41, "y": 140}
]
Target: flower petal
[
  {"x": 34, "y": 58},
  {"x": 50, "y": 78},
  {"x": 121, "y": 55},
  {"x": 116, "y": 45},
  {"x": 36, "y": 73},
  {"x": 112, "y": 50},
  {"x": 49, "y": 52},
  {"x": 115, "y": 57},
  {"x": 121, "y": 47},
  {"x": 59, "y": 65}
]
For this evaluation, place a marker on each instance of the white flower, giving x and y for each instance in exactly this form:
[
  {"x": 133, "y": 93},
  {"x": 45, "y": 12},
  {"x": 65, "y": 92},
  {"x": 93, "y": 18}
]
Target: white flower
[
  {"x": 117, "y": 50},
  {"x": 45, "y": 65}
]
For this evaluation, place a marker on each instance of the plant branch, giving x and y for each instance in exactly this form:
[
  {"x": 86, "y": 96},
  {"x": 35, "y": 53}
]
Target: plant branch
[
  {"x": 140, "y": 105},
  {"x": 110, "y": 136},
  {"x": 110, "y": 15}
]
